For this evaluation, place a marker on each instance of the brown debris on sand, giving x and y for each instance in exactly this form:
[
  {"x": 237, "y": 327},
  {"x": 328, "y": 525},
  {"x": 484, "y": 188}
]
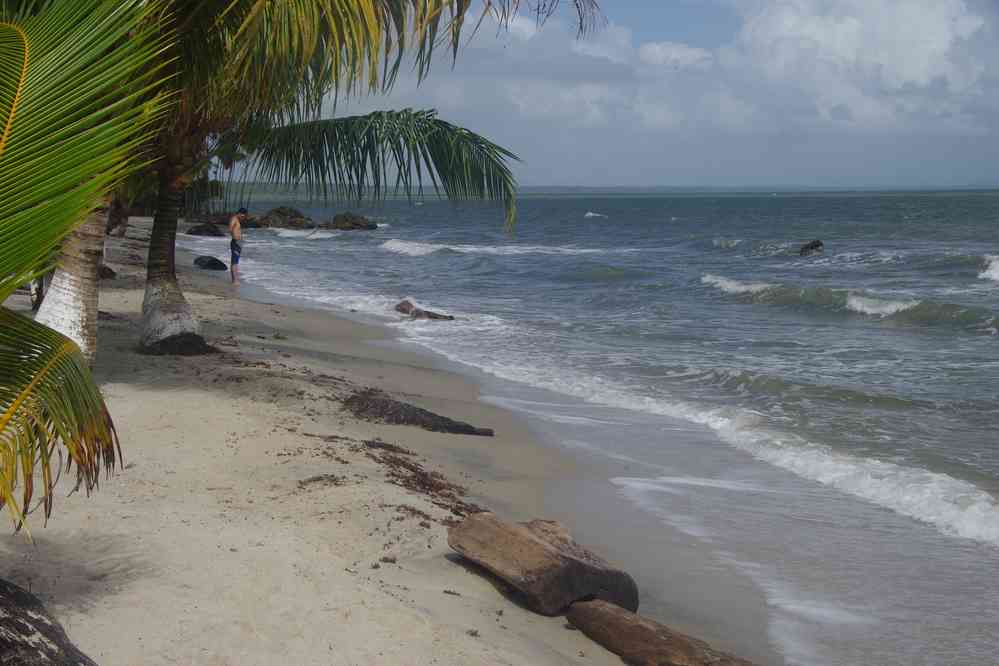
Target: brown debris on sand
[
  {"x": 407, "y": 473},
  {"x": 374, "y": 405},
  {"x": 324, "y": 479},
  {"x": 386, "y": 446}
]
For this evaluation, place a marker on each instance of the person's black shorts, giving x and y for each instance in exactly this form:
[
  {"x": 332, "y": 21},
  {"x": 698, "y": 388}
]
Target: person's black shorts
[{"x": 236, "y": 249}]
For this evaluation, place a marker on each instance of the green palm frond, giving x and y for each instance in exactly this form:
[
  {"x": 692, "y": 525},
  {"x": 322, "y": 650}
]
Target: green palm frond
[
  {"x": 76, "y": 100},
  {"x": 367, "y": 156},
  {"x": 70, "y": 119},
  {"x": 265, "y": 55},
  {"x": 47, "y": 397}
]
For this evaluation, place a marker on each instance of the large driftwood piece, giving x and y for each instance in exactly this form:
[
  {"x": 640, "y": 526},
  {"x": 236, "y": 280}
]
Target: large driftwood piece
[
  {"x": 541, "y": 562},
  {"x": 643, "y": 642}
]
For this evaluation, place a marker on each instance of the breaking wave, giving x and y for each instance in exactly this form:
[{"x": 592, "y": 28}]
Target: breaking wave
[
  {"x": 911, "y": 311},
  {"x": 876, "y": 306},
  {"x": 734, "y": 286},
  {"x": 306, "y": 234},
  {"x": 420, "y": 249},
  {"x": 991, "y": 271},
  {"x": 952, "y": 505}
]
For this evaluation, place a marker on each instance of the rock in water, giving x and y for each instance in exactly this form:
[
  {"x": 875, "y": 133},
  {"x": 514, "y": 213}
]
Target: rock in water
[
  {"x": 210, "y": 264},
  {"x": 373, "y": 405},
  {"x": 286, "y": 217},
  {"x": 29, "y": 636},
  {"x": 643, "y": 642},
  {"x": 811, "y": 248},
  {"x": 205, "y": 230},
  {"x": 542, "y": 562},
  {"x": 408, "y": 308},
  {"x": 351, "y": 222}
]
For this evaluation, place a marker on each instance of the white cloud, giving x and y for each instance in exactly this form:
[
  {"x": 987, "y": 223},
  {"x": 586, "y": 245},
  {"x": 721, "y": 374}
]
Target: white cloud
[
  {"x": 674, "y": 55},
  {"x": 613, "y": 43},
  {"x": 878, "y": 60},
  {"x": 583, "y": 105},
  {"x": 840, "y": 74}
]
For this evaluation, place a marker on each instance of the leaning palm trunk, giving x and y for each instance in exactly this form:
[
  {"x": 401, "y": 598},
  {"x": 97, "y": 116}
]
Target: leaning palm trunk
[
  {"x": 70, "y": 304},
  {"x": 166, "y": 315}
]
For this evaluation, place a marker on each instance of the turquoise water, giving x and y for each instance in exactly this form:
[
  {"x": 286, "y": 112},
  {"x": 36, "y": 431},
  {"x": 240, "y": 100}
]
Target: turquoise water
[{"x": 846, "y": 404}]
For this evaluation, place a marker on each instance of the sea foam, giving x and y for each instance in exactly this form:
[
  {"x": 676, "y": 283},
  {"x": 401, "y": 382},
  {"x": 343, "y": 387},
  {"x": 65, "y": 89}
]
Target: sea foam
[
  {"x": 305, "y": 234},
  {"x": 420, "y": 249},
  {"x": 734, "y": 286},
  {"x": 991, "y": 271},
  {"x": 876, "y": 306},
  {"x": 955, "y": 507}
]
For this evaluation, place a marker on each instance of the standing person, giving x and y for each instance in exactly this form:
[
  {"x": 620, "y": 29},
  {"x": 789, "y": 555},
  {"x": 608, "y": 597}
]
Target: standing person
[{"x": 236, "y": 244}]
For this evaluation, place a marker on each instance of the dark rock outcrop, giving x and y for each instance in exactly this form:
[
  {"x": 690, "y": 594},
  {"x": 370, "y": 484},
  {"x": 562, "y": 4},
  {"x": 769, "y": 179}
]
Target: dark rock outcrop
[
  {"x": 408, "y": 308},
  {"x": 210, "y": 264},
  {"x": 286, "y": 217},
  {"x": 30, "y": 636},
  {"x": 811, "y": 248},
  {"x": 373, "y": 405},
  {"x": 206, "y": 230},
  {"x": 106, "y": 272},
  {"x": 542, "y": 562},
  {"x": 222, "y": 221},
  {"x": 643, "y": 642},
  {"x": 350, "y": 222}
]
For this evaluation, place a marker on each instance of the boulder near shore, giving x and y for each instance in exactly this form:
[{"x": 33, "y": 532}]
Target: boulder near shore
[
  {"x": 350, "y": 222},
  {"x": 286, "y": 217},
  {"x": 541, "y": 561},
  {"x": 30, "y": 636},
  {"x": 210, "y": 264},
  {"x": 407, "y": 307}
]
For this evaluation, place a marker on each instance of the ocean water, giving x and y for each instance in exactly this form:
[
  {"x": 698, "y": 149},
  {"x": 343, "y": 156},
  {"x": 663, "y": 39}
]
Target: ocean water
[{"x": 824, "y": 427}]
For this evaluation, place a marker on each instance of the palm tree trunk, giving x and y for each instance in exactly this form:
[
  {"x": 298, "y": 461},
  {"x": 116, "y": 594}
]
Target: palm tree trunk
[
  {"x": 167, "y": 318},
  {"x": 70, "y": 304}
]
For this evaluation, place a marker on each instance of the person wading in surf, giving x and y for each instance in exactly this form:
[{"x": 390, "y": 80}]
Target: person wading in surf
[{"x": 236, "y": 244}]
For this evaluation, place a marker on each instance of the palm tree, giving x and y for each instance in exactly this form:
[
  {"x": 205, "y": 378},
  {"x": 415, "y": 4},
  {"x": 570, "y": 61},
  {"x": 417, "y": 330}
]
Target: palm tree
[
  {"x": 70, "y": 302},
  {"x": 248, "y": 66},
  {"x": 76, "y": 79}
]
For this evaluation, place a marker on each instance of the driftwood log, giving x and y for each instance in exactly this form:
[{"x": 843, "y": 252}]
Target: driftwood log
[
  {"x": 408, "y": 308},
  {"x": 643, "y": 642},
  {"x": 542, "y": 562}
]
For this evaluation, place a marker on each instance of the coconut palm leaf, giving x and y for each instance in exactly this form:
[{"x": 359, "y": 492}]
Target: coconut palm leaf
[
  {"x": 367, "y": 156},
  {"x": 264, "y": 55},
  {"x": 75, "y": 102}
]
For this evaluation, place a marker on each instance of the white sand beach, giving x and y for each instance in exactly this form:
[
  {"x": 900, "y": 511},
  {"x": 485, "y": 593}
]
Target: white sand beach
[{"x": 251, "y": 523}]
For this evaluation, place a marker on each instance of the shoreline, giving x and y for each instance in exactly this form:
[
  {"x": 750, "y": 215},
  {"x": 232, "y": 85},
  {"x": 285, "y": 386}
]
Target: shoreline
[
  {"x": 235, "y": 534},
  {"x": 250, "y": 520},
  {"x": 541, "y": 478}
]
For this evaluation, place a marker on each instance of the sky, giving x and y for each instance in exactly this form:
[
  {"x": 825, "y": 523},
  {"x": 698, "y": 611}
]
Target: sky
[{"x": 729, "y": 93}]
